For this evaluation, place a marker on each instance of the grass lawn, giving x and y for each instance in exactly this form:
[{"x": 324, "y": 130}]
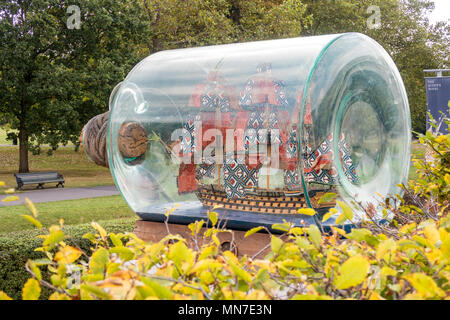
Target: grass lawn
[
  {"x": 417, "y": 152},
  {"x": 72, "y": 211},
  {"x": 76, "y": 168}
]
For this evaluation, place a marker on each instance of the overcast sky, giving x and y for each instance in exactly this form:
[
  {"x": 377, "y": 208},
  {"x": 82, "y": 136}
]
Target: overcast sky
[{"x": 442, "y": 11}]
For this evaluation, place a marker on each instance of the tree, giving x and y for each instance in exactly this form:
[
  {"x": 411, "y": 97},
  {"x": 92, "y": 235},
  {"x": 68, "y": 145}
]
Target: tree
[
  {"x": 54, "y": 73},
  {"x": 404, "y": 32},
  {"x": 179, "y": 24}
]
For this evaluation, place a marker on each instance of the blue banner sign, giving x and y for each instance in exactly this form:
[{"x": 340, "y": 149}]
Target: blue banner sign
[{"x": 438, "y": 99}]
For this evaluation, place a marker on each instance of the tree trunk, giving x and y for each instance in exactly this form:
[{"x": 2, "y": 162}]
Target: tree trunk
[{"x": 23, "y": 148}]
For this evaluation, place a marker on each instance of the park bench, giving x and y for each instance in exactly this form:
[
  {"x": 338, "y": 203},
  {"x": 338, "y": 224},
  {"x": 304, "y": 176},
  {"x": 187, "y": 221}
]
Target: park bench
[{"x": 39, "y": 178}]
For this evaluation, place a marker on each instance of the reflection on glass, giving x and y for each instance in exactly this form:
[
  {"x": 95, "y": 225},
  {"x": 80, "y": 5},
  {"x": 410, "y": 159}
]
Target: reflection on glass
[{"x": 262, "y": 127}]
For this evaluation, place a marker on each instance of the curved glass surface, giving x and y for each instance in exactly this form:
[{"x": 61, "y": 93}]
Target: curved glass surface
[
  {"x": 250, "y": 127},
  {"x": 357, "y": 133}
]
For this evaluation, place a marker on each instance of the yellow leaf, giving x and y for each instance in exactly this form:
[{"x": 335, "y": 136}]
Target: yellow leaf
[
  {"x": 424, "y": 285},
  {"x": 230, "y": 256},
  {"x": 252, "y": 231},
  {"x": 58, "y": 296},
  {"x": 10, "y": 198},
  {"x": 54, "y": 237},
  {"x": 276, "y": 244},
  {"x": 180, "y": 253},
  {"x": 307, "y": 211},
  {"x": 9, "y": 191},
  {"x": 327, "y": 197},
  {"x": 441, "y": 139},
  {"x": 352, "y": 272},
  {"x": 67, "y": 255},
  {"x": 98, "y": 261},
  {"x": 432, "y": 234},
  {"x": 213, "y": 217},
  {"x": 341, "y": 218},
  {"x": 315, "y": 235},
  {"x": 386, "y": 271},
  {"x": 31, "y": 290},
  {"x": 32, "y": 207},
  {"x": 4, "y": 296},
  {"x": 100, "y": 230},
  {"x": 32, "y": 220},
  {"x": 385, "y": 247},
  {"x": 2, "y": 184},
  {"x": 347, "y": 211},
  {"x": 326, "y": 216},
  {"x": 447, "y": 178},
  {"x": 375, "y": 296},
  {"x": 339, "y": 230}
]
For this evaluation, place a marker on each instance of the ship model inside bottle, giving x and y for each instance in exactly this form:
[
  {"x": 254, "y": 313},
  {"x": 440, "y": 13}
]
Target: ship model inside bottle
[
  {"x": 257, "y": 130},
  {"x": 250, "y": 150}
]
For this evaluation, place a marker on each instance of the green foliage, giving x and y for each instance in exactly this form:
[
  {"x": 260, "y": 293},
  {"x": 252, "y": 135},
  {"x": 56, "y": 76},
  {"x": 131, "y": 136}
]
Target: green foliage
[
  {"x": 363, "y": 266},
  {"x": 52, "y": 78},
  {"x": 405, "y": 33},
  {"x": 409, "y": 259},
  {"x": 16, "y": 248}
]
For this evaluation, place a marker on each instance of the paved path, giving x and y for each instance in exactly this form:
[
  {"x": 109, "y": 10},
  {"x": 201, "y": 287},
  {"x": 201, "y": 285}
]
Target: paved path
[{"x": 58, "y": 194}]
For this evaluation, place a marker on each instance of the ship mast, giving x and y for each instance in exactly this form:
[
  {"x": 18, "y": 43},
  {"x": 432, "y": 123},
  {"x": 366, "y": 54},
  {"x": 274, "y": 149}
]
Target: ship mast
[{"x": 219, "y": 145}]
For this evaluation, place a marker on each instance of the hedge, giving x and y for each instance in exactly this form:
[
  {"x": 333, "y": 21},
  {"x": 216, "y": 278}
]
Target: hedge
[{"x": 16, "y": 248}]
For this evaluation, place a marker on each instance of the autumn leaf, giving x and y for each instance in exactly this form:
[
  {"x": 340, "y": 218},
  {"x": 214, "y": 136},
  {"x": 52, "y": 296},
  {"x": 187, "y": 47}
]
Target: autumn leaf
[
  {"x": 315, "y": 235},
  {"x": 67, "y": 255},
  {"x": 352, "y": 272},
  {"x": 424, "y": 285},
  {"x": 35, "y": 222},
  {"x": 10, "y": 198},
  {"x": 32, "y": 207},
  {"x": 307, "y": 211},
  {"x": 31, "y": 290},
  {"x": 4, "y": 296},
  {"x": 98, "y": 261},
  {"x": 327, "y": 197},
  {"x": 276, "y": 244},
  {"x": 252, "y": 231}
]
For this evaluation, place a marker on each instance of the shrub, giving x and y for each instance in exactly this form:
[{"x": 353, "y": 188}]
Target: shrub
[
  {"x": 408, "y": 259},
  {"x": 16, "y": 248}
]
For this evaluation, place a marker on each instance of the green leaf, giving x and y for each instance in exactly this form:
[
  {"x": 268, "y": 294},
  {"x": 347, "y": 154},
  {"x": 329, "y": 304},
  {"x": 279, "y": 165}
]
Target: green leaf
[
  {"x": 341, "y": 218},
  {"x": 315, "y": 235},
  {"x": 327, "y": 197},
  {"x": 179, "y": 253},
  {"x": 240, "y": 272},
  {"x": 352, "y": 272},
  {"x": 35, "y": 269},
  {"x": 160, "y": 291},
  {"x": 31, "y": 290},
  {"x": 115, "y": 240},
  {"x": 55, "y": 237},
  {"x": 123, "y": 252},
  {"x": 347, "y": 211},
  {"x": 276, "y": 244},
  {"x": 95, "y": 291},
  {"x": 252, "y": 231},
  {"x": 99, "y": 259},
  {"x": 281, "y": 226}
]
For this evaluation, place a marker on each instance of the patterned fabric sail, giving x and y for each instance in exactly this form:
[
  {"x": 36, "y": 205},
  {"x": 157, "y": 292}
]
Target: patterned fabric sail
[
  {"x": 211, "y": 106},
  {"x": 263, "y": 119}
]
